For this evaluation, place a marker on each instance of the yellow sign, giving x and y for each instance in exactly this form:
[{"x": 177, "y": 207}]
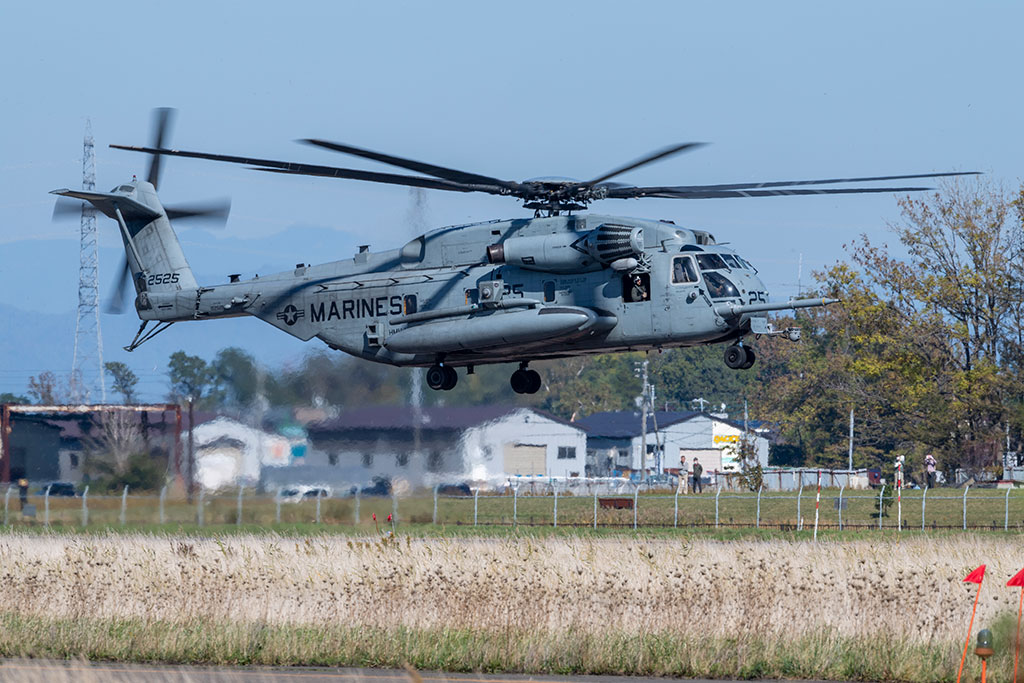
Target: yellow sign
[{"x": 724, "y": 438}]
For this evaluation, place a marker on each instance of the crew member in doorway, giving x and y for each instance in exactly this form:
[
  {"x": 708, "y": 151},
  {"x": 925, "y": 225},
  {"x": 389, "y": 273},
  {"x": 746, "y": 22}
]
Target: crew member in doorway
[{"x": 698, "y": 470}]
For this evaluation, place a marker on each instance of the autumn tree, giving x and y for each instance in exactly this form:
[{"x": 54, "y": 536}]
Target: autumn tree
[{"x": 124, "y": 380}]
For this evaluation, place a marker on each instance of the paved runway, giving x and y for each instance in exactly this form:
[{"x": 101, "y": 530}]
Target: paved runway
[{"x": 29, "y": 671}]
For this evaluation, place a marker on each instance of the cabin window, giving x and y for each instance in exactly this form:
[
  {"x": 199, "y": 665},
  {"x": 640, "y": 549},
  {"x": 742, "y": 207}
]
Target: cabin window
[
  {"x": 683, "y": 270},
  {"x": 549, "y": 291},
  {"x": 402, "y": 458},
  {"x": 409, "y": 304},
  {"x": 636, "y": 287},
  {"x": 367, "y": 459}
]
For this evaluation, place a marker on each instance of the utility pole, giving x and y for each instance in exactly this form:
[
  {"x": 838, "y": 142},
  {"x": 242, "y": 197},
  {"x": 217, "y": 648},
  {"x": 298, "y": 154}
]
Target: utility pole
[
  {"x": 87, "y": 359},
  {"x": 849, "y": 465}
]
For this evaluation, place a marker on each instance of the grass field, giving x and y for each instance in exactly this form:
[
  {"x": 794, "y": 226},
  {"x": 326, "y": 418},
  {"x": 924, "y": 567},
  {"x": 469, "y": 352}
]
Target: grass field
[
  {"x": 986, "y": 509},
  {"x": 883, "y": 607}
]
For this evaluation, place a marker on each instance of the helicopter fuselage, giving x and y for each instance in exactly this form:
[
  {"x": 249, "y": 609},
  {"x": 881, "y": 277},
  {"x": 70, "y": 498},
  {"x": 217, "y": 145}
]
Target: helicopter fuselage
[{"x": 501, "y": 291}]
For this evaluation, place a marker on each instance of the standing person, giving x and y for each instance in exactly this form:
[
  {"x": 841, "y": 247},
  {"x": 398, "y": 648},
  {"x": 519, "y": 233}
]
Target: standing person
[
  {"x": 929, "y": 466},
  {"x": 684, "y": 476},
  {"x": 23, "y": 492},
  {"x": 698, "y": 470}
]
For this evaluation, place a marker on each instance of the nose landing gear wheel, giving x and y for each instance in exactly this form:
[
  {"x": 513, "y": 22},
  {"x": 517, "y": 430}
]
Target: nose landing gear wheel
[
  {"x": 525, "y": 381},
  {"x": 442, "y": 377},
  {"x": 735, "y": 356}
]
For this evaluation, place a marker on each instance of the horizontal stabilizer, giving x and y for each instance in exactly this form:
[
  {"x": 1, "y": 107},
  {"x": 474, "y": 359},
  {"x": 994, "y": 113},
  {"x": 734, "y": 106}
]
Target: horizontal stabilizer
[{"x": 107, "y": 203}]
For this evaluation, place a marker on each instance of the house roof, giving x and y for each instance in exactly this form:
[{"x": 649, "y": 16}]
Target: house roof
[
  {"x": 433, "y": 418},
  {"x": 625, "y": 424}
]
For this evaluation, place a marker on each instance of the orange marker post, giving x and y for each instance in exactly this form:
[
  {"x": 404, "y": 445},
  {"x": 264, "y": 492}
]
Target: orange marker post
[
  {"x": 977, "y": 576},
  {"x": 1017, "y": 580}
]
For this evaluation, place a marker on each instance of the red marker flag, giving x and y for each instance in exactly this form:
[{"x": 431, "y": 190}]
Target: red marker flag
[
  {"x": 1017, "y": 579},
  {"x": 389, "y": 518},
  {"x": 375, "y": 516},
  {"x": 976, "y": 576}
]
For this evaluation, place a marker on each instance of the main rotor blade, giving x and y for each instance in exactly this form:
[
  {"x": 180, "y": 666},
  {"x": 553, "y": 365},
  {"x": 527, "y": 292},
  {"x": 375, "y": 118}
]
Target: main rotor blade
[
  {"x": 451, "y": 174},
  {"x": 674, "y": 193},
  {"x": 829, "y": 181},
  {"x": 119, "y": 298},
  {"x": 663, "y": 153},
  {"x": 322, "y": 171},
  {"x": 162, "y": 119},
  {"x": 215, "y": 211}
]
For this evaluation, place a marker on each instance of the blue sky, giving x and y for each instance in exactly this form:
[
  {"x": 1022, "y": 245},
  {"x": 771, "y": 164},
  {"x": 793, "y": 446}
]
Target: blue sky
[{"x": 517, "y": 90}]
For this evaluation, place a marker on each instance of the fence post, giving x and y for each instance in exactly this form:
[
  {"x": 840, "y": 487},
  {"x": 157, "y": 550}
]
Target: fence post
[
  {"x": 966, "y": 489},
  {"x": 880, "y": 508},
  {"x": 817, "y": 503},
  {"x": 675, "y": 521},
  {"x": 515, "y": 506},
  {"x": 1006, "y": 514},
  {"x": 85, "y": 506},
  {"x": 394, "y": 510},
  {"x": 124, "y": 506},
  {"x": 357, "y": 508},
  {"x": 595, "y": 508},
  {"x": 433, "y": 519},
  {"x": 163, "y": 497},
  {"x": 758, "y": 520},
  {"x": 7, "y": 500},
  {"x": 46, "y": 506},
  {"x": 636, "y": 504},
  {"x": 716, "y": 504},
  {"x": 319, "y": 495},
  {"x": 924, "y": 500},
  {"x": 799, "y": 497},
  {"x": 476, "y": 503},
  {"x": 238, "y": 513},
  {"x": 841, "y": 506},
  {"x": 277, "y": 507},
  {"x": 199, "y": 506},
  {"x": 555, "y": 488}
]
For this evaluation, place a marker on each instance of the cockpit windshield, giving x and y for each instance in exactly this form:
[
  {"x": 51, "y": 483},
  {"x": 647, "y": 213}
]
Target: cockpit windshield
[
  {"x": 731, "y": 261},
  {"x": 719, "y": 287},
  {"x": 710, "y": 262}
]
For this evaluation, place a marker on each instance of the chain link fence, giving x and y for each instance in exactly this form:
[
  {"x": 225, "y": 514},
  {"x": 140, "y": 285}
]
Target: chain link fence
[{"x": 629, "y": 507}]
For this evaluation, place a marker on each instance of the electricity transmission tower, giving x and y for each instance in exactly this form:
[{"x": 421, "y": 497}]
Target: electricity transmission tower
[{"x": 87, "y": 381}]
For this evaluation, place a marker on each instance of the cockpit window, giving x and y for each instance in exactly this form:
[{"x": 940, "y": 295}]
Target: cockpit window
[
  {"x": 683, "y": 270},
  {"x": 710, "y": 262},
  {"x": 719, "y": 287},
  {"x": 746, "y": 263},
  {"x": 125, "y": 188},
  {"x": 731, "y": 261}
]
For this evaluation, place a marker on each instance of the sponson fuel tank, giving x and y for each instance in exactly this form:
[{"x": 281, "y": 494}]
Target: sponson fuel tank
[{"x": 497, "y": 328}]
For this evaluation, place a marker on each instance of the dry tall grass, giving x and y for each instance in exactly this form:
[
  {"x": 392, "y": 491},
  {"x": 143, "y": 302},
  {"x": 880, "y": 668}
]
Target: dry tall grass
[{"x": 859, "y": 609}]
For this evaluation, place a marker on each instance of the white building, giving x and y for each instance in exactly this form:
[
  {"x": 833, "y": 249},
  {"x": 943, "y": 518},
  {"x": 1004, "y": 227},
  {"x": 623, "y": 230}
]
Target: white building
[
  {"x": 443, "y": 444},
  {"x": 614, "y": 441}
]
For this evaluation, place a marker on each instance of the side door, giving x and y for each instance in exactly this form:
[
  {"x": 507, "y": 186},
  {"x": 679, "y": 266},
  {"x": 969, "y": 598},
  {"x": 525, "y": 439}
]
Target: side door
[{"x": 687, "y": 306}]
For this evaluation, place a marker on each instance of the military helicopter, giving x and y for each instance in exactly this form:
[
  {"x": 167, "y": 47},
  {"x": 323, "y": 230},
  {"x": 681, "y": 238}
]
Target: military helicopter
[{"x": 560, "y": 283}]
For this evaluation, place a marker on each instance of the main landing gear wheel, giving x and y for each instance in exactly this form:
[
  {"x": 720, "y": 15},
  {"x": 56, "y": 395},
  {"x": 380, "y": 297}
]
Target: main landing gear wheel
[
  {"x": 442, "y": 377},
  {"x": 525, "y": 381},
  {"x": 739, "y": 357}
]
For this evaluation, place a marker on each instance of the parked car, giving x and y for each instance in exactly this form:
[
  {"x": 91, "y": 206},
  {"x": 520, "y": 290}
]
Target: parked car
[
  {"x": 296, "y": 494},
  {"x": 380, "y": 486},
  {"x": 59, "y": 488}
]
